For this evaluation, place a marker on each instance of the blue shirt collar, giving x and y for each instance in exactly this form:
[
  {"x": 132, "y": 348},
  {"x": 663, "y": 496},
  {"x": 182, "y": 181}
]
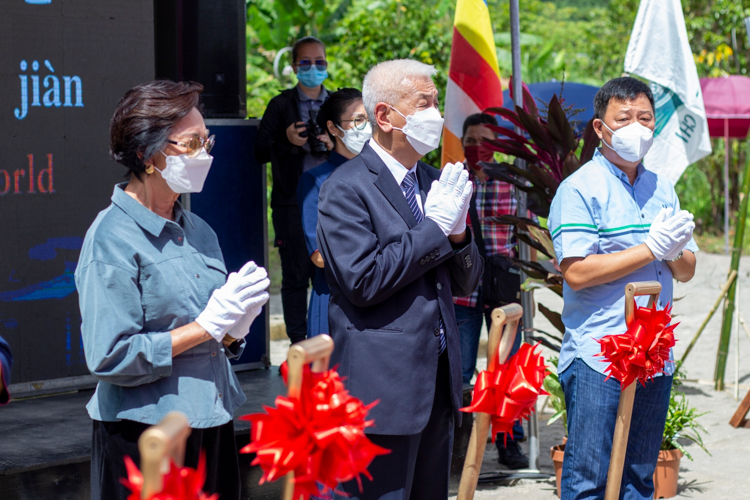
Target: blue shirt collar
[
  {"x": 602, "y": 160},
  {"x": 304, "y": 97},
  {"x": 142, "y": 216}
]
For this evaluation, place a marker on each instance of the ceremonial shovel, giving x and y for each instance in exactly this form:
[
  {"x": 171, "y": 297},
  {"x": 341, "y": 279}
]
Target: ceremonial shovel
[
  {"x": 499, "y": 345},
  {"x": 627, "y": 396},
  {"x": 156, "y": 445},
  {"x": 316, "y": 350}
]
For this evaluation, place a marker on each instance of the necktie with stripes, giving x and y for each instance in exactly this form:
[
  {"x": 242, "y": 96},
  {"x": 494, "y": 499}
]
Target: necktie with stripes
[{"x": 410, "y": 192}]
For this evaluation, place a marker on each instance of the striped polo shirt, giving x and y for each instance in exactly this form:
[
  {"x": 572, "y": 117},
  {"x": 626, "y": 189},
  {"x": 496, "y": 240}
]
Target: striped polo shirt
[{"x": 597, "y": 211}]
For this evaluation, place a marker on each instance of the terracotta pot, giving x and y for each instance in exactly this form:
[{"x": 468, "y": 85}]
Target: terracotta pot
[
  {"x": 557, "y": 453},
  {"x": 666, "y": 473}
]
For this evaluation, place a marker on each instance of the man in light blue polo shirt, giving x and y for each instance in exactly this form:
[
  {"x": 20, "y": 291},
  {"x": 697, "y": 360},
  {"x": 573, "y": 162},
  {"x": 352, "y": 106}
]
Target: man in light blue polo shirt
[{"x": 614, "y": 222}]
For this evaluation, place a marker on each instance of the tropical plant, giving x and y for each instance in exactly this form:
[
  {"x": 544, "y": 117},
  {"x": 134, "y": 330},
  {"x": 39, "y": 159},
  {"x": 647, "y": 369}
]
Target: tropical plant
[
  {"x": 682, "y": 423},
  {"x": 556, "y": 395},
  {"x": 549, "y": 145}
]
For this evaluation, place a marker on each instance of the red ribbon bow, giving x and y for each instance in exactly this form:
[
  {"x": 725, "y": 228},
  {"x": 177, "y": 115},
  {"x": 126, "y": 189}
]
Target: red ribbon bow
[
  {"x": 320, "y": 436},
  {"x": 180, "y": 483},
  {"x": 510, "y": 392},
  {"x": 641, "y": 352}
]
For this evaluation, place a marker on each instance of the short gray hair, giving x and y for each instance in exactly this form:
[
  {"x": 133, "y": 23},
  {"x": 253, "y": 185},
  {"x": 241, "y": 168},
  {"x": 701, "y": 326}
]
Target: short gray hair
[{"x": 384, "y": 82}]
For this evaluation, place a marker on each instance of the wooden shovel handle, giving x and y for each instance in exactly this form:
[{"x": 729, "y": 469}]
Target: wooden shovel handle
[
  {"x": 500, "y": 341},
  {"x": 157, "y": 445},
  {"x": 499, "y": 344},
  {"x": 316, "y": 350},
  {"x": 627, "y": 396}
]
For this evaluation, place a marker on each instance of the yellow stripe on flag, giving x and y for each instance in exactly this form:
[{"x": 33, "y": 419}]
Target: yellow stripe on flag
[{"x": 473, "y": 22}]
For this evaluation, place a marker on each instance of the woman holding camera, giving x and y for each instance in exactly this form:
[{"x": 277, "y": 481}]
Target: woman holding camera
[
  {"x": 160, "y": 316},
  {"x": 344, "y": 119}
]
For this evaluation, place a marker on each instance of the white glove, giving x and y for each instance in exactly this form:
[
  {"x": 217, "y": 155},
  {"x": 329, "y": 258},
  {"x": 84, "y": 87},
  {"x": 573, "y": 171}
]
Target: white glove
[
  {"x": 242, "y": 327},
  {"x": 668, "y": 232},
  {"x": 243, "y": 290},
  {"x": 449, "y": 197},
  {"x": 461, "y": 224},
  {"x": 684, "y": 235}
]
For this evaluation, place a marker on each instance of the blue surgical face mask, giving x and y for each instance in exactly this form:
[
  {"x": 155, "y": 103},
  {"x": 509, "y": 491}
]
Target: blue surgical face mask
[{"x": 312, "y": 77}]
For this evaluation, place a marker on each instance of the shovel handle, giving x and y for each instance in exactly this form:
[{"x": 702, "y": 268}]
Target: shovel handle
[
  {"x": 501, "y": 336},
  {"x": 627, "y": 396},
  {"x": 157, "y": 445},
  {"x": 316, "y": 350}
]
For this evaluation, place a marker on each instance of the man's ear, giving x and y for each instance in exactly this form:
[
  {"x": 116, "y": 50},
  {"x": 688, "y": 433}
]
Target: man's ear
[
  {"x": 598, "y": 127},
  {"x": 382, "y": 117}
]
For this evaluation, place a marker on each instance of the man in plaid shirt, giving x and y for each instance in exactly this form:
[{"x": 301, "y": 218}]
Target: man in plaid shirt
[{"x": 493, "y": 198}]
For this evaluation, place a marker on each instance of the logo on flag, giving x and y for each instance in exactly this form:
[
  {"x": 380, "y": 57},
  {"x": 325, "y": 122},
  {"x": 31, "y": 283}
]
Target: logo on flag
[{"x": 659, "y": 52}]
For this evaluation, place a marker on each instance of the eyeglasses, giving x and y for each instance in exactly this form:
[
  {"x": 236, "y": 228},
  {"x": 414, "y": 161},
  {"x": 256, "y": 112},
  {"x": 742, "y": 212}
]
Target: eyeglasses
[
  {"x": 195, "y": 145},
  {"x": 360, "y": 122},
  {"x": 307, "y": 64}
]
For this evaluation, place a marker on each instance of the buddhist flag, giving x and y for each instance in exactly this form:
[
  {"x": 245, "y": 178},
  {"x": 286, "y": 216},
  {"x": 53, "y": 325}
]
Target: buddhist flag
[
  {"x": 474, "y": 78},
  {"x": 659, "y": 51}
]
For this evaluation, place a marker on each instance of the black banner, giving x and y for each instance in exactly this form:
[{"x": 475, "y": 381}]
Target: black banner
[{"x": 64, "y": 64}]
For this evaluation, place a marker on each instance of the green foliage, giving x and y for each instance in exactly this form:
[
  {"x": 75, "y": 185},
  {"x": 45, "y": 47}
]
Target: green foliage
[
  {"x": 556, "y": 395},
  {"x": 682, "y": 423},
  {"x": 701, "y": 187},
  {"x": 709, "y": 25}
]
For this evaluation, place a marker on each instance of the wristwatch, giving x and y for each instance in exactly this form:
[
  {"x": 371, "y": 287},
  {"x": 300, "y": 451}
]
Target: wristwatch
[{"x": 679, "y": 256}]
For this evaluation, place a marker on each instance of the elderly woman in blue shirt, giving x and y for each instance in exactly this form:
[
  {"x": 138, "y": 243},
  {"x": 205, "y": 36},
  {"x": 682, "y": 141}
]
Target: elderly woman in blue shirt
[
  {"x": 344, "y": 118},
  {"x": 612, "y": 222},
  {"x": 161, "y": 318}
]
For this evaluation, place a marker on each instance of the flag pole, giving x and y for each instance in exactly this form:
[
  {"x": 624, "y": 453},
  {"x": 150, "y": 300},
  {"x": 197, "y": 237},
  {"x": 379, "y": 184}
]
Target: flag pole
[{"x": 527, "y": 301}]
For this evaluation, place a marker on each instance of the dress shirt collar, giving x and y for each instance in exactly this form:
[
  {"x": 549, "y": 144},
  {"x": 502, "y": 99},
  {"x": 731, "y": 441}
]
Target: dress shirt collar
[
  {"x": 614, "y": 170},
  {"x": 397, "y": 170},
  {"x": 142, "y": 216},
  {"x": 304, "y": 97}
]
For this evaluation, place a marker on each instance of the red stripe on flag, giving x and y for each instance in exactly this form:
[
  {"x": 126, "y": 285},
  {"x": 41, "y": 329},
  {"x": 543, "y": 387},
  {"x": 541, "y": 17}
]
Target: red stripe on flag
[{"x": 471, "y": 72}]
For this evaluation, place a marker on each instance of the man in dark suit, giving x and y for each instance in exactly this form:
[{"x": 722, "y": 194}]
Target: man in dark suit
[{"x": 397, "y": 250}]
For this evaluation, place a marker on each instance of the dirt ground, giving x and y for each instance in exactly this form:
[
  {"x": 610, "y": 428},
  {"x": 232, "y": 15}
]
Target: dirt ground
[{"x": 722, "y": 475}]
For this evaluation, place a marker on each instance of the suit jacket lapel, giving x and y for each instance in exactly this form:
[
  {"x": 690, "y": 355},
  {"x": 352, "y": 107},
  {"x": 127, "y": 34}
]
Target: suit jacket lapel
[
  {"x": 387, "y": 185},
  {"x": 424, "y": 182}
]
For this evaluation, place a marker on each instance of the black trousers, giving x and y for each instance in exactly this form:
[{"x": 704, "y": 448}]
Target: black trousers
[
  {"x": 297, "y": 270},
  {"x": 112, "y": 441},
  {"x": 418, "y": 467}
]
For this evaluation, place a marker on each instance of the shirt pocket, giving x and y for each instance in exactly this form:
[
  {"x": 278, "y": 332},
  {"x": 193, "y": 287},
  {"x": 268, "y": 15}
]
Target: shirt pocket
[
  {"x": 215, "y": 272},
  {"x": 163, "y": 296}
]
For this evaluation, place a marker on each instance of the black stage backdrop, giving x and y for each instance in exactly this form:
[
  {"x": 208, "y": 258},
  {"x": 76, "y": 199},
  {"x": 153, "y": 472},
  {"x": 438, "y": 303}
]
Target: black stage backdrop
[{"x": 64, "y": 64}]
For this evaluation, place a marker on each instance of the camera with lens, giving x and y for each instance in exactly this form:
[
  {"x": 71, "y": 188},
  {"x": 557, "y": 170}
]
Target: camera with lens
[{"x": 312, "y": 131}]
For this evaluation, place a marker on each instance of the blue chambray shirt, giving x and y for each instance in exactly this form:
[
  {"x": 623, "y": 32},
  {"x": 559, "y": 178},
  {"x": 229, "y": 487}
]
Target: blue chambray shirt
[
  {"x": 138, "y": 277},
  {"x": 597, "y": 211}
]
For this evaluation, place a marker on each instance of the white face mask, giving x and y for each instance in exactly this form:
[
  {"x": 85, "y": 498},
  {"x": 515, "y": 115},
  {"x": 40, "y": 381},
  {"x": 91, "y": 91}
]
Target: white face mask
[
  {"x": 631, "y": 142},
  {"x": 354, "y": 139},
  {"x": 423, "y": 129},
  {"x": 187, "y": 175}
]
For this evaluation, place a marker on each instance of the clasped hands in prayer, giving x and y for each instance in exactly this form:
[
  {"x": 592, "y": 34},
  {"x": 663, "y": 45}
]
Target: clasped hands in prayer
[
  {"x": 669, "y": 234},
  {"x": 448, "y": 200},
  {"x": 233, "y": 307}
]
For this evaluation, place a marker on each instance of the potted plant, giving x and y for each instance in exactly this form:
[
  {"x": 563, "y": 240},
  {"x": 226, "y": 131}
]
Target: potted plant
[
  {"x": 681, "y": 424},
  {"x": 557, "y": 400}
]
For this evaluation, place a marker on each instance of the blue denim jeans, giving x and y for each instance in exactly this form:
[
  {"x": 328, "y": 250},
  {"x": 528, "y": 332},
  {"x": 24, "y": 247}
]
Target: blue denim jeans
[
  {"x": 592, "y": 411},
  {"x": 469, "y": 321}
]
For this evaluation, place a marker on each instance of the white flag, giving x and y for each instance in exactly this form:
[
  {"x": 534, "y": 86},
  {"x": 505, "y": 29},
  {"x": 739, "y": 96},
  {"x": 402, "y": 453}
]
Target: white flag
[{"x": 659, "y": 52}]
